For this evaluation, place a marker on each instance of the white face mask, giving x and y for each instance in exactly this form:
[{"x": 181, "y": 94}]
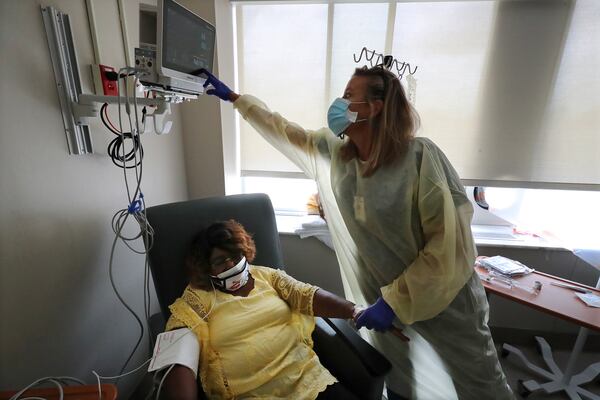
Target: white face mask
[{"x": 234, "y": 278}]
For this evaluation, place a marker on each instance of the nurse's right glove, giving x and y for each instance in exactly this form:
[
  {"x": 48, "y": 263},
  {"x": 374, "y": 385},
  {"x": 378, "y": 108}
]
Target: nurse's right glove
[
  {"x": 378, "y": 316},
  {"x": 218, "y": 89}
]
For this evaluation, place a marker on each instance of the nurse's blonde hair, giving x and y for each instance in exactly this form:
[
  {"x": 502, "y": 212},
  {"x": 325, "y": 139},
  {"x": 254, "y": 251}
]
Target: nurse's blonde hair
[{"x": 393, "y": 128}]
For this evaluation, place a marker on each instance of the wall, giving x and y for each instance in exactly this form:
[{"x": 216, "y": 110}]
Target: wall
[
  {"x": 310, "y": 260},
  {"x": 203, "y": 144},
  {"x": 59, "y": 314}
]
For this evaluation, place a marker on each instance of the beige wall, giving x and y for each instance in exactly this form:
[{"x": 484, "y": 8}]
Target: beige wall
[
  {"x": 59, "y": 315},
  {"x": 203, "y": 145}
]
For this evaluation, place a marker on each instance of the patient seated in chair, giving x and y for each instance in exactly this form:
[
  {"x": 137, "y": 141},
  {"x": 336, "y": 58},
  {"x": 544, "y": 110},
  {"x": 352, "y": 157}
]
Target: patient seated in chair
[{"x": 253, "y": 325}]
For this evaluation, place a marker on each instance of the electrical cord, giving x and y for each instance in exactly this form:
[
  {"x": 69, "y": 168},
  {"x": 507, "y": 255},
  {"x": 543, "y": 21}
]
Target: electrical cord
[
  {"x": 204, "y": 317},
  {"x": 127, "y": 159},
  {"x": 115, "y": 146},
  {"x": 52, "y": 379}
]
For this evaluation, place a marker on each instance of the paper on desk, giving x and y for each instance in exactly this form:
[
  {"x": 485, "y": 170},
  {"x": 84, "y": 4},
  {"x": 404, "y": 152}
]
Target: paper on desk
[
  {"x": 590, "y": 299},
  {"x": 179, "y": 346}
]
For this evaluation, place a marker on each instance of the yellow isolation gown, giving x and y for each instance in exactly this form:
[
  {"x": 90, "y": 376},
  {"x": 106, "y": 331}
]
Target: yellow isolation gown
[{"x": 403, "y": 233}]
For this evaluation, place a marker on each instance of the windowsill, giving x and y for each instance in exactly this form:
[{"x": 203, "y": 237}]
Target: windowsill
[{"x": 485, "y": 235}]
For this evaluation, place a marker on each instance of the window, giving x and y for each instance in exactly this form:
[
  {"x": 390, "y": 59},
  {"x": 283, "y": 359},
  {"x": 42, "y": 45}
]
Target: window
[
  {"x": 288, "y": 195},
  {"x": 509, "y": 90}
]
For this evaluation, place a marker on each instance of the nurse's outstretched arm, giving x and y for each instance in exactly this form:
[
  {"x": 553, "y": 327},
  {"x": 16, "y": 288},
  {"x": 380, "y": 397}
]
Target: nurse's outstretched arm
[
  {"x": 445, "y": 264},
  {"x": 287, "y": 137}
]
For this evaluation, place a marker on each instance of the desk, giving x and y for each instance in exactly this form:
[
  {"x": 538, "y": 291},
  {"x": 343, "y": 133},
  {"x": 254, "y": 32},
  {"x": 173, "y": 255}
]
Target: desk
[
  {"x": 83, "y": 392},
  {"x": 562, "y": 303}
]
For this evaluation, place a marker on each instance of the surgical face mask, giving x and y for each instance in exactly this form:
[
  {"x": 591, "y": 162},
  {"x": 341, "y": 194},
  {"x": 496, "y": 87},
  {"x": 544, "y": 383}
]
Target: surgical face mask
[
  {"x": 234, "y": 278},
  {"x": 339, "y": 117}
]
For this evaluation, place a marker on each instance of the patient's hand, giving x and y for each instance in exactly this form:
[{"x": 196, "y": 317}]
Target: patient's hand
[{"x": 180, "y": 384}]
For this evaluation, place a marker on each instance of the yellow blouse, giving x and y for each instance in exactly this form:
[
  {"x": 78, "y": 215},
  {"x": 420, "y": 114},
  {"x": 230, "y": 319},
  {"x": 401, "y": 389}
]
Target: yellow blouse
[{"x": 255, "y": 347}]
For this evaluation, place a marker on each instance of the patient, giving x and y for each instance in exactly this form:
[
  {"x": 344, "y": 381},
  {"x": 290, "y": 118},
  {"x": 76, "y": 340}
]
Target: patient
[{"x": 253, "y": 323}]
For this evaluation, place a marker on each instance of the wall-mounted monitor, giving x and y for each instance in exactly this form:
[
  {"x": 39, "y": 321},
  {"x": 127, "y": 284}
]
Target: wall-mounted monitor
[{"x": 185, "y": 43}]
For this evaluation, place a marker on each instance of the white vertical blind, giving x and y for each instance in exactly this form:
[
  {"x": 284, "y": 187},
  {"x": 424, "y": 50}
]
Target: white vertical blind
[
  {"x": 510, "y": 90},
  {"x": 448, "y": 41},
  {"x": 354, "y": 26},
  {"x": 282, "y": 61}
]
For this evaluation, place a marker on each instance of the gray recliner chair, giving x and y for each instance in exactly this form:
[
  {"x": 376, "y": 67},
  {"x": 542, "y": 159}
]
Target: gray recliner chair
[{"x": 354, "y": 362}]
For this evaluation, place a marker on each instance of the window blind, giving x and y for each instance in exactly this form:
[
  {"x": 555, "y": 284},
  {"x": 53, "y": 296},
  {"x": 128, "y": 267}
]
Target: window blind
[{"x": 509, "y": 90}]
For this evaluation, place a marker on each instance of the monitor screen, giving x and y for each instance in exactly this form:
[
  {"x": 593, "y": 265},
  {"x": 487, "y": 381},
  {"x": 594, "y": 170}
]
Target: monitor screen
[{"x": 188, "y": 40}]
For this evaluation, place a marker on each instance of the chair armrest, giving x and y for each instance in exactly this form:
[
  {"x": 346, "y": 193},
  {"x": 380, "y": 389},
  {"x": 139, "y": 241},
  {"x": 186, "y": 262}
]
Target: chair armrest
[
  {"x": 354, "y": 362},
  {"x": 373, "y": 360}
]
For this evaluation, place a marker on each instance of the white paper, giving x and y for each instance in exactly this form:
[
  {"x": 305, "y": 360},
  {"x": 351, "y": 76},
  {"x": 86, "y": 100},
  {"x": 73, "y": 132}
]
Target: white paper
[
  {"x": 590, "y": 299},
  {"x": 179, "y": 346}
]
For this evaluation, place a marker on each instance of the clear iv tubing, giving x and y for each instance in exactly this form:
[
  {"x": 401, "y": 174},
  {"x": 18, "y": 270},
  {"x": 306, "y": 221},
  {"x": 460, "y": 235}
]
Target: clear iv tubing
[{"x": 535, "y": 289}]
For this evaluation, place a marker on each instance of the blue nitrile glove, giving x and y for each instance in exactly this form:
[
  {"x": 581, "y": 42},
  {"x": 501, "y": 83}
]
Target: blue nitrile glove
[
  {"x": 219, "y": 88},
  {"x": 378, "y": 316}
]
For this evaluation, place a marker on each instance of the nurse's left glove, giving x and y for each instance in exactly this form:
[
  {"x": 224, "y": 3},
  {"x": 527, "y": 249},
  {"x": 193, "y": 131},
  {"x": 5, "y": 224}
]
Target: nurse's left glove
[
  {"x": 218, "y": 89},
  {"x": 378, "y": 316}
]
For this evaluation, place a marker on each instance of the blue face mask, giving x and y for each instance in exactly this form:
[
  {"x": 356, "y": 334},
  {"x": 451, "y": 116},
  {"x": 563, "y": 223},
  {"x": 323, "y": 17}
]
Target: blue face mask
[{"x": 339, "y": 117}]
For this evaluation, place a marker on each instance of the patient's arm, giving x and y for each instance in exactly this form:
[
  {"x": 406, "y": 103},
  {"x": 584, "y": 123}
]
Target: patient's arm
[
  {"x": 326, "y": 304},
  {"x": 180, "y": 384},
  {"x": 308, "y": 299}
]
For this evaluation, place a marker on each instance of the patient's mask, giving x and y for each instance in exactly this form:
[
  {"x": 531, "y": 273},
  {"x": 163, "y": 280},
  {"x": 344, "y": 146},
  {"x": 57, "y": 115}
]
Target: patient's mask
[
  {"x": 339, "y": 117},
  {"x": 234, "y": 278}
]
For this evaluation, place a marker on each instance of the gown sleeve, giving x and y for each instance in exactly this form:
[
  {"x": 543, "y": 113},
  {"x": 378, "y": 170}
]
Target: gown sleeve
[
  {"x": 445, "y": 264},
  {"x": 289, "y": 138}
]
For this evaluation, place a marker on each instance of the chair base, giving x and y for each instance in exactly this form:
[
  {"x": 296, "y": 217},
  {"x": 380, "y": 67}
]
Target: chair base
[{"x": 557, "y": 381}]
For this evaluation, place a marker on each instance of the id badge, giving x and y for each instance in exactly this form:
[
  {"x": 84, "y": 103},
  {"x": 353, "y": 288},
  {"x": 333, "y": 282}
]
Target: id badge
[{"x": 359, "y": 209}]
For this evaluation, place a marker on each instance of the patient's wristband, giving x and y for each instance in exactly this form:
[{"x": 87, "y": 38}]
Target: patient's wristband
[{"x": 357, "y": 310}]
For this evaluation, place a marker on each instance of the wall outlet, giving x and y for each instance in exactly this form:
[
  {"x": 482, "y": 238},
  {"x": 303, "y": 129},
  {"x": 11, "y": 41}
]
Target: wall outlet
[{"x": 102, "y": 85}]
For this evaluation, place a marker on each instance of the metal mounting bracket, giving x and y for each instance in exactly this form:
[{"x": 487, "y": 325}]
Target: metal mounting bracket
[{"x": 66, "y": 74}]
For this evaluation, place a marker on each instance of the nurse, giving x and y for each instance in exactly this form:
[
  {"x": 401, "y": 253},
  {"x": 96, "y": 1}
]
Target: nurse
[{"x": 395, "y": 204}]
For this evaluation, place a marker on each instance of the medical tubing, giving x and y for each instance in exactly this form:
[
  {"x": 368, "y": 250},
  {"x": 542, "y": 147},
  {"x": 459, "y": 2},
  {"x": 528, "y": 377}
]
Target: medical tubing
[
  {"x": 114, "y": 287},
  {"x": 98, "y": 377},
  {"x": 37, "y": 382},
  {"x": 162, "y": 381},
  {"x": 115, "y": 146},
  {"x": 137, "y": 204},
  {"x": 120, "y": 223}
]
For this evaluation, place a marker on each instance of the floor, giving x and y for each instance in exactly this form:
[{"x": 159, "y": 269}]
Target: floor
[{"x": 514, "y": 370}]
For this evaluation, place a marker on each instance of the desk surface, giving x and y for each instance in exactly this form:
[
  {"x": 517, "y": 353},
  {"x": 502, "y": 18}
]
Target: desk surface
[
  {"x": 554, "y": 300},
  {"x": 83, "y": 392}
]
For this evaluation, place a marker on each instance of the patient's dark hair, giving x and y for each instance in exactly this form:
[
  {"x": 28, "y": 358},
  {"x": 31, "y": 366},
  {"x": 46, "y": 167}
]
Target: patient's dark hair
[{"x": 229, "y": 236}]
